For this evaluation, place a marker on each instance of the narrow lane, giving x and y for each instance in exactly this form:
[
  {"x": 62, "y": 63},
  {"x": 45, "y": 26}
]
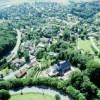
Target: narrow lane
[{"x": 14, "y": 51}]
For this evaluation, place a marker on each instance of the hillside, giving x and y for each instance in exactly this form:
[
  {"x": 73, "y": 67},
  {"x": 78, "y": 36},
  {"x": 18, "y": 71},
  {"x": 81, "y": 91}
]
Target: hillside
[{"x": 57, "y": 50}]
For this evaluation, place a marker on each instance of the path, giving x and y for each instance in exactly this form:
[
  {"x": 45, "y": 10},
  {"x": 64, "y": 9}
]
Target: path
[
  {"x": 42, "y": 90},
  {"x": 93, "y": 44},
  {"x": 14, "y": 51}
]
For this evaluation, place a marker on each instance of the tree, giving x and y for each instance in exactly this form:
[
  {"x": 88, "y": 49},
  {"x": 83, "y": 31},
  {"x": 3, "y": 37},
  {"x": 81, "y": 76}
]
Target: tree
[
  {"x": 20, "y": 54},
  {"x": 75, "y": 93},
  {"x": 98, "y": 94},
  {"x": 26, "y": 55},
  {"x": 57, "y": 97},
  {"x": 66, "y": 34},
  {"x": 88, "y": 88},
  {"x": 81, "y": 97},
  {"x": 82, "y": 82},
  {"x": 76, "y": 79},
  {"x": 40, "y": 54},
  {"x": 61, "y": 55},
  {"x": 93, "y": 71},
  {"x": 4, "y": 95}
]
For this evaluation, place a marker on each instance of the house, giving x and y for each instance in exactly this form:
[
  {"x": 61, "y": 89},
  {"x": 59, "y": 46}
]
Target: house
[
  {"x": 59, "y": 69},
  {"x": 18, "y": 62},
  {"x": 41, "y": 45},
  {"x": 28, "y": 44},
  {"x": 21, "y": 73},
  {"x": 45, "y": 40}
]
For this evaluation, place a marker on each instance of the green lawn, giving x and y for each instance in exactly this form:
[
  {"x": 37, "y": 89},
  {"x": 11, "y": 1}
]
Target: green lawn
[
  {"x": 97, "y": 60},
  {"x": 85, "y": 45},
  {"x": 32, "y": 96},
  {"x": 4, "y": 71}
]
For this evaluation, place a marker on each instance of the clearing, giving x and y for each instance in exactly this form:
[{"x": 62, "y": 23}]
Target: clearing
[
  {"x": 32, "y": 96},
  {"x": 85, "y": 45}
]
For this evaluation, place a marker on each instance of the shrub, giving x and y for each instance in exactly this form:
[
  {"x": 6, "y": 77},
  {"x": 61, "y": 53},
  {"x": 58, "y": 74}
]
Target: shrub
[
  {"x": 98, "y": 94},
  {"x": 81, "y": 97}
]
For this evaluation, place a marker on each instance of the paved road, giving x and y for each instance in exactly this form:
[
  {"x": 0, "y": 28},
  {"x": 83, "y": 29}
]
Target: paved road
[
  {"x": 35, "y": 89},
  {"x": 14, "y": 51}
]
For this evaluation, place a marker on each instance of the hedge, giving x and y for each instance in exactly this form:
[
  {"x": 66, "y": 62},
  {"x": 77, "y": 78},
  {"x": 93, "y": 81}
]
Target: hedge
[
  {"x": 55, "y": 83},
  {"x": 75, "y": 93}
]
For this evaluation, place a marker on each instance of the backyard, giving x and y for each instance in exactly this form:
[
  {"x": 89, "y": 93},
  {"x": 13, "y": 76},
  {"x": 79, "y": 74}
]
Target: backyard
[{"x": 32, "y": 96}]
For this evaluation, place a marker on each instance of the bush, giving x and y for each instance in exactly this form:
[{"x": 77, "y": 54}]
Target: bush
[
  {"x": 75, "y": 93},
  {"x": 57, "y": 97}
]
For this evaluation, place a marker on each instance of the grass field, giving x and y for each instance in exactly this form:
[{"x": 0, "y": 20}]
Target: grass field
[
  {"x": 85, "y": 45},
  {"x": 32, "y": 96}
]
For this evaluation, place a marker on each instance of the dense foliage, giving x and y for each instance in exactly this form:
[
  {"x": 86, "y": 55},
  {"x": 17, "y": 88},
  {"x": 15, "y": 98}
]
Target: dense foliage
[
  {"x": 60, "y": 85},
  {"x": 7, "y": 39},
  {"x": 4, "y": 94},
  {"x": 86, "y": 10}
]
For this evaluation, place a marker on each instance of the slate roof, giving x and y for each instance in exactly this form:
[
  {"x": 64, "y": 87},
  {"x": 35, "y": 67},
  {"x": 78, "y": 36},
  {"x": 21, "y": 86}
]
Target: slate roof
[
  {"x": 63, "y": 65},
  {"x": 60, "y": 67}
]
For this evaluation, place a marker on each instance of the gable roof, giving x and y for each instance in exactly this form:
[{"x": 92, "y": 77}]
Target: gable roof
[{"x": 62, "y": 66}]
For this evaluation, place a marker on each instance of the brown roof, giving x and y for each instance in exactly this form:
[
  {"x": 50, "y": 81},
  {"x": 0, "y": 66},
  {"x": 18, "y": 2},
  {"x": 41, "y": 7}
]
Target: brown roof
[{"x": 21, "y": 73}]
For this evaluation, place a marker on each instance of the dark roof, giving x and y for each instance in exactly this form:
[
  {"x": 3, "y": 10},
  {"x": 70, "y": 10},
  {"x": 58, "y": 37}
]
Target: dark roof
[{"x": 62, "y": 66}]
